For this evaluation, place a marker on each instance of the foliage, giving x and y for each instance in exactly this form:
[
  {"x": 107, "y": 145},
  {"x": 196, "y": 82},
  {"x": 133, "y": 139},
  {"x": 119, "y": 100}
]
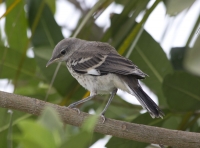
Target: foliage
[
  {"x": 49, "y": 132},
  {"x": 30, "y": 26}
]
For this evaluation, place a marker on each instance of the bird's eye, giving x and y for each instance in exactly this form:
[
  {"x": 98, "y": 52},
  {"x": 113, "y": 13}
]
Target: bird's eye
[{"x": 63, "y": 52}]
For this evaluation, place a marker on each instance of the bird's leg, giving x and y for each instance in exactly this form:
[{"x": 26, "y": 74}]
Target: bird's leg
[
  {"x": 73, "y": 105},
  {"x": 108, "y": 103}
]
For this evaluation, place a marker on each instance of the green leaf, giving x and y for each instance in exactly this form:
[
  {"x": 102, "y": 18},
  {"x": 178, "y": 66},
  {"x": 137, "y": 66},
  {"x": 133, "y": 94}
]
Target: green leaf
[
  {"x": 148, "y": 120},
  {"x": 90, "y": 31},
  {"x": 177, "y": 56},
  {"x": 10, "y": 61},
  {"x": 192, "y": 58},
  {"x": 34, "y": 135},
  {"x": 195, "y": 127},
  {"x": 84, "y": 137},
  {"x": 90, "y": 123},
  {"x": 122, "y": 24},
  {"x": 51, "y": 120},
  {"x": 1, "y": 39},
  {"x": 81, "y": 140},
  {"x": 174, "y": 7},
  {"x": 45, "y": 30},
  {"x": 151, "y": 59},
  {"x": 4, "y": 125},
  {"x": 16, "y": 27},
  {"x": 172, "y": 122},
  {"x": 182, "y": 91},
  {"x": 51, "y": 4},
  {"x": 96, "y": 137},
  {"x": 36, "y": 89},
  {"x": 115, "y": 142},
  {"x": 49, "y": 127}
]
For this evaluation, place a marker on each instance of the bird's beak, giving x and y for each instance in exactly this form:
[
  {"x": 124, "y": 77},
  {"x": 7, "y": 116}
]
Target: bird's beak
[{"x": 51, "y": 61}]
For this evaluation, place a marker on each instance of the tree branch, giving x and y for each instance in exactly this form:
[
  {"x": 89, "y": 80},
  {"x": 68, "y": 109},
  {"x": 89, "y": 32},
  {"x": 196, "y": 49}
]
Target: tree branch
[{"x": 121, "y": 129}]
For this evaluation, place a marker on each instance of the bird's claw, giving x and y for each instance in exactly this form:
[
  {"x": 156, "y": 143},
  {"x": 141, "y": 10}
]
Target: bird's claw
[
  {"x": 103, "y": 118},
  {"x": 78, "y": 110},
  {"x": 71, "y": 107}
]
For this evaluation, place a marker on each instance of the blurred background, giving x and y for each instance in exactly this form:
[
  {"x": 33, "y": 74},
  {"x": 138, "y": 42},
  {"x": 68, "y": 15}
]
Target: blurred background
[{"x": 162, "y": 37}]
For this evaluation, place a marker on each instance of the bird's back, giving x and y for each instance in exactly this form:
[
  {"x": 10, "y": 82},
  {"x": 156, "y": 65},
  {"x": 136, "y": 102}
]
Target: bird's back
[{"x": 103, "y": 58}]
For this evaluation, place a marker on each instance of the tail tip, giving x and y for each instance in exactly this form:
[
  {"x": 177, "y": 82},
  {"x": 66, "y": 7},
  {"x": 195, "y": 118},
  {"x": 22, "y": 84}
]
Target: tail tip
[{"x": 160, "y": 114}]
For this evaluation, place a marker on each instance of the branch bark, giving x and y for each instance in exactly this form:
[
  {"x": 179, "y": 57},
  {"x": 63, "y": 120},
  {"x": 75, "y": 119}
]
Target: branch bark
[{"x": 121, "y": 129}]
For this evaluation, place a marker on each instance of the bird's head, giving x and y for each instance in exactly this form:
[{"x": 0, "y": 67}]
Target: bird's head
[{"x": 64, "y": 49}]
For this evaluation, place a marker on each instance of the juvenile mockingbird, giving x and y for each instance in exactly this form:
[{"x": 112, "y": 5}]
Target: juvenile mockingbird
[{"x": 100, "y": 69}]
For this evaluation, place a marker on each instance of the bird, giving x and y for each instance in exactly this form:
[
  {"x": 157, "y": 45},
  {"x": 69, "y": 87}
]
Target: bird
[{"x": 100, "y": 69}]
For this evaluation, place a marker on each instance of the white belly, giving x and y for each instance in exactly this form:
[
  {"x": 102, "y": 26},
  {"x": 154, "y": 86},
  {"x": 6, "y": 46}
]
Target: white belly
[{"x": 99, "y": 84}]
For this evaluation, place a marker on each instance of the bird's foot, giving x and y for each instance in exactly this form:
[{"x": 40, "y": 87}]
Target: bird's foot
[
  {"x": 74, "y": 108},
  {"x": 103, "y": 118}
]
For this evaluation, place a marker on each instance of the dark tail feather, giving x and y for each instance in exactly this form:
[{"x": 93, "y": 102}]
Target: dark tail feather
[{"x": 146, "y": 102}]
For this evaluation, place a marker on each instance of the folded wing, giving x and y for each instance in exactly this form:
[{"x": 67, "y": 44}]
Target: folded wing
[{"x": 98, "y": 60}]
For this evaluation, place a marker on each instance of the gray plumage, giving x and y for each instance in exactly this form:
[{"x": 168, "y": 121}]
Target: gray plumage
[{"x": 100, "y": 69}]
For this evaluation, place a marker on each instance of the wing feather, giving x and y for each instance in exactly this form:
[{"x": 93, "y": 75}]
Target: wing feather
[{"x": 95, "y": 58}]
